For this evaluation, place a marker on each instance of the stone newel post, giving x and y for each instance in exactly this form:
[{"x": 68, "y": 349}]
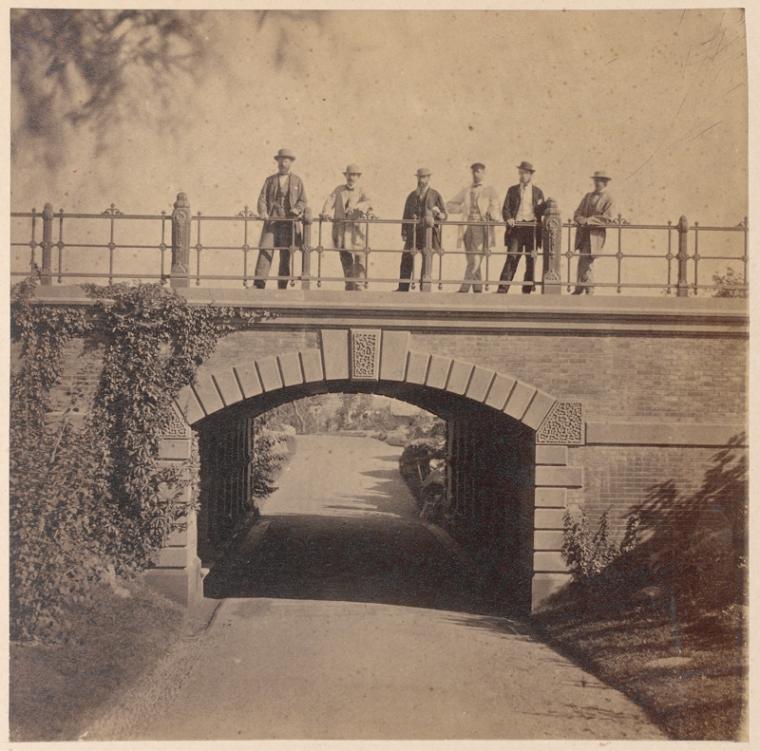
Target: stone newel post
[
  {"x": 180, "y": 274},
  {"x": 46, "y": 277},
  {"x": 427, "y": 253},
  {"x": 307, "y": 220},
  {"x": 682, "y": 289},
  {"x": 552, "y": 245}
]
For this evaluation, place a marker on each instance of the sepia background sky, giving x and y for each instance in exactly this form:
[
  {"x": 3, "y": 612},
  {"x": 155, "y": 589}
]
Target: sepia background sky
[{"x": 657, "y": 98}]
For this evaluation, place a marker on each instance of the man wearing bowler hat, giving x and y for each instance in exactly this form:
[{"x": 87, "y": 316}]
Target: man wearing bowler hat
[
  {"x": 349, "y": 202},
  {"x": 477, "y": 203},
  {"x": 282, "y": 198},
  {"x": 595, "y": 210},
  {"x": 522, "y": 211},
  {"x": 422, "y": 202}
]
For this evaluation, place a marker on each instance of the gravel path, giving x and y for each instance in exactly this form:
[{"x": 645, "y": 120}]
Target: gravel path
[{"x": 349, "y": 619}]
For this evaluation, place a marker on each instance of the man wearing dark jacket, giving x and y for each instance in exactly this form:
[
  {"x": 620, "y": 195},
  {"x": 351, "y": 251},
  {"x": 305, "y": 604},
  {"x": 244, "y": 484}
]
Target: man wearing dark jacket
[
  {"x": 282, "y": 197},
  {"x": 524, "y": 203},
  {"x": 419, "y": 203}
]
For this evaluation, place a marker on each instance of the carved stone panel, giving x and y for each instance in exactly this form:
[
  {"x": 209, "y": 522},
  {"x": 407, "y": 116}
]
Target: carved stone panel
[
  {"x": 564, "y": 424},
  {"x": 175, "y": 426},
  {"x": 365, "y": 354}
]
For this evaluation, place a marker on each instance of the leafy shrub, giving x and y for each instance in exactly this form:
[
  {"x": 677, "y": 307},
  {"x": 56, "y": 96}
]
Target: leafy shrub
[
  {"x": 729, "y": 284},
  {"x": 416, "y": 462},
  {"x": 92, "y": 500},
  {"x": 269, "y": 453},
  {"x": 588, "y": 555}
]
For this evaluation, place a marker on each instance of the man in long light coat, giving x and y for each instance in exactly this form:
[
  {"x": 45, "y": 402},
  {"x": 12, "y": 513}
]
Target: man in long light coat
[
  {"x": 282, "y": 197},
  {"x": 477, "y": 203},
  {"x": 348, "y": 202},
  {"x": 595, "y": 210}
]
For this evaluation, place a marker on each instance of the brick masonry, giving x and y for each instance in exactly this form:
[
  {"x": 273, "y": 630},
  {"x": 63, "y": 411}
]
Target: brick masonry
[
  {"x": 635, "y": 371},
  {"x": 617, "y": 378}
]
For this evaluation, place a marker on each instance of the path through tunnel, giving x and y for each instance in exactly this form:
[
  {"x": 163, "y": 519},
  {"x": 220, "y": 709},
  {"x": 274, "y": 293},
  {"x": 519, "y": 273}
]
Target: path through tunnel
[{"x": 343, "y": 525}]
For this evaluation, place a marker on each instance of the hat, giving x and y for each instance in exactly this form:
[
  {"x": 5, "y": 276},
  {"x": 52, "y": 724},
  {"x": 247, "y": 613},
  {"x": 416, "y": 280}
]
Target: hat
[
  {"x": 353, "y": 169},
  {"x": 600, "y": 175},
  {"x": 476, "y": 165},
  {"x": 423, "y": 172},
  {"x": 526, "y": 166},
  {"x": 285, "y": 154}
]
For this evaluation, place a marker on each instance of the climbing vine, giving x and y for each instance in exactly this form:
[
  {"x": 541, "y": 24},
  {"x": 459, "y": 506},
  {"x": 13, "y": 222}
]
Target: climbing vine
[{"x": 90, "y": 498}]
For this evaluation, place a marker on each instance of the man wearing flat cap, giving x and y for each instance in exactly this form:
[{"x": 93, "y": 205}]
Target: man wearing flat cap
[
  {"x": 522, "y": 211},
  {"x": 595, "y": 210},
  {"x": 421, "y": 202},
  {"x": 477, "y": 203},
  {"x": 347, "y": 203},
  {"x": 282, "y": 197}
]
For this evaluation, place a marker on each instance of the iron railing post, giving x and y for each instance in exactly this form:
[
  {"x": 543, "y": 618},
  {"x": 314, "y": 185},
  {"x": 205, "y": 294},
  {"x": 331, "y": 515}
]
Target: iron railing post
[
  {"x": 551, "y": 239},
  {"x": 427, "y": 253},
  {"x": 180, "y": 273},
  {"x": 682, "y": 287},
  {"x": 306, "y": 250},
  {"x": 46, "y": 272}
]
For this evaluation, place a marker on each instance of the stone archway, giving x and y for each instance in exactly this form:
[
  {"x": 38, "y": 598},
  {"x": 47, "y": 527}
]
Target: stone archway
[{"x": 381, "y": 361}]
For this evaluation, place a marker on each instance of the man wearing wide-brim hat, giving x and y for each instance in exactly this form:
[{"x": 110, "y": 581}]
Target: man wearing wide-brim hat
[
  {"x": 594, "y": 211},
  {"x": 523, "y": 208},
  {"x": 282, "y": 198},
  {"x": 347, "y": 203},
  {"x": 422, "y": 202}
]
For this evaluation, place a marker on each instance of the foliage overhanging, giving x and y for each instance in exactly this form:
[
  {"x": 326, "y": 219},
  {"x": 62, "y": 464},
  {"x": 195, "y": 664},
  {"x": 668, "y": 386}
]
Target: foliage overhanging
[{"x": 88, "y": 497}]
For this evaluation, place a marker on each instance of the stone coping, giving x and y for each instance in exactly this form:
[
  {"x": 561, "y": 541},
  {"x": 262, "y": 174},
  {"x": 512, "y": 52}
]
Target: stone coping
[
  {"x": 599, "y": 315},
  {"x": 663, "y": 434}
]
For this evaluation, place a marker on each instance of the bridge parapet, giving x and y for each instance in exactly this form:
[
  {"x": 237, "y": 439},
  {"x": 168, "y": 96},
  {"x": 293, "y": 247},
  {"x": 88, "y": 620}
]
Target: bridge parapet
[{"x": 638, "y": 258}]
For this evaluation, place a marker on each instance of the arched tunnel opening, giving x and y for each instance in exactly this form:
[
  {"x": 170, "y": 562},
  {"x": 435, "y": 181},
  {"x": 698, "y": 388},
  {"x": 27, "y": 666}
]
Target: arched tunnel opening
[{"x": 344, "y": 524}]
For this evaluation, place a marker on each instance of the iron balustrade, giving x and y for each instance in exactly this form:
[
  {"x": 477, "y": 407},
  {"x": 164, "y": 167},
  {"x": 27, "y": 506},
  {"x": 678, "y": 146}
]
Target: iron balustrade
[{"x": 182, "y": 234}]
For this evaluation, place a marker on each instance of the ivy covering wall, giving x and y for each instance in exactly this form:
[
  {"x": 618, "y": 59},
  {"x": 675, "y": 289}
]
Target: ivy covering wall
[{"x": 89, "y": 499}]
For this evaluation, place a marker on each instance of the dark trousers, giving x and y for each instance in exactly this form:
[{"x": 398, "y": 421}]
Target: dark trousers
[
  {"x": 263, "y": 264},
  {"x": 275, "y": 235},
  {"x": 521, "y": 242},
  {"x": 353, "y": 269},
  {"x": 406, "y": 270}
]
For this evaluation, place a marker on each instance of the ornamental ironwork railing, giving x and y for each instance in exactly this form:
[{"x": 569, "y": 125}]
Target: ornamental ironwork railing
[{"x": 182, "y": 248}]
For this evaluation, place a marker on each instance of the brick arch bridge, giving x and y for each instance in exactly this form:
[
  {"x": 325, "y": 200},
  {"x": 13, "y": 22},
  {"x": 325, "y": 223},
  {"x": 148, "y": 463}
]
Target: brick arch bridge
[
  {"x": 550, "y": 401},
  {"x": 588, "y": 403}
]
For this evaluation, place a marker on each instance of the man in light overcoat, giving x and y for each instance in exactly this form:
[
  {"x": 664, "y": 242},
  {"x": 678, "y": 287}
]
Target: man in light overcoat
[
  {"x": 282, "y": 198},
  {"x": 594, "y": 211},
  {"x": 477, "y": 202},
  {"x": 346, "y": 204}
]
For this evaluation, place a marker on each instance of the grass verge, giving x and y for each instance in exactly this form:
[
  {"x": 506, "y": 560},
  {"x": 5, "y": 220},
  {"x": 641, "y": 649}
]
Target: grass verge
[
  {"x": 687, "y": 669},
  {"x": 57, "y": 690}
]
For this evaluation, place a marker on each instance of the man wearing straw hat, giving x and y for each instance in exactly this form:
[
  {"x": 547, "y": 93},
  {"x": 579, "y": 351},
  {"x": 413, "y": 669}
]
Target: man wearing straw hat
[
  {"x": 477, "y": 203},
  {"x": 282, "y": 197},
  {"x": 595, "y": 210},
  {"x": 420, "y": 202},
  {"x": 523, "y": 205},
  {"x": 349, "y": 201}
]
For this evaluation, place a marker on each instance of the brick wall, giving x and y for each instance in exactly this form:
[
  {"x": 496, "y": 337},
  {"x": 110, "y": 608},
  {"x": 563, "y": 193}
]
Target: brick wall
[
  {"x": 619, "y": 478},
  {"x": 617, "y": 377},
  {"x": 657, "y": 379}
]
